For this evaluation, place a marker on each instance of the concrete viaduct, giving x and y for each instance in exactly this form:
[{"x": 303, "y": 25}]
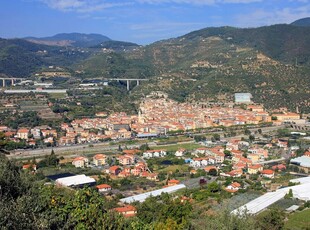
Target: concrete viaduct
[
  {"x": 12, "y": 80},
  {"x": 128, "y": 80}
]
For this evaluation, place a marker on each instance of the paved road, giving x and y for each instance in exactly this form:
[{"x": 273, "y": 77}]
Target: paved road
[
  {"x": 63, "y": 150},
  {"x": 77, "y": 149},
  {"x": 272, "y": 161},
  {"x": 97, "y": 147}
]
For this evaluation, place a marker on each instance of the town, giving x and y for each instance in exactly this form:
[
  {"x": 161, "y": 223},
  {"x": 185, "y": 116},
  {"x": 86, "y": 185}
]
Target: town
[{"x": 240, "y": 149}]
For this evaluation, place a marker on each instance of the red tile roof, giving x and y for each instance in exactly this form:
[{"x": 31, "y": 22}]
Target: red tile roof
[
  {"x": 101, "y": 186},
  {"x": 127, "y": 208},
  {"x": 267, "y": 172}
]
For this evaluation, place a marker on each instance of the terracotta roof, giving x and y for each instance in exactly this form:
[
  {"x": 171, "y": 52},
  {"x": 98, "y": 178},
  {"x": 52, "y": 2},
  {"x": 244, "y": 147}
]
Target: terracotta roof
[
  {"x": 126, "y": 208},
  {"x": 100, "y": 156},
  {"x": 173, "y": 181},
  {"x": 267, "y": 172},
  {"x": 101, "y": 186},
  {"x": 257, "y": 166},
  {"x": 208, "y": 168},
  {"x": 236, "y": 185},
  {"x": 27, "y": 166},
  {"x": 307, "y": 154},
  {"x": 79, "y": 159},
  {"x": 113, "y": 168},
  {"x": 23, "y": 131}
]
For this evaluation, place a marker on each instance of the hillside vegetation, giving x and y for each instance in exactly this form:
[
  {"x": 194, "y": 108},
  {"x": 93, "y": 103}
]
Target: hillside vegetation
[
  {"x": 214, "y": 63},
  {"x": 271, "y": 62}
]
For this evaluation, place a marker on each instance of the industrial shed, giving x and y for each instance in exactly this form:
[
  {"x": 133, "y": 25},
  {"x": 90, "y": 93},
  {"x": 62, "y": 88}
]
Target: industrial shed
[{"x": 76, "y": 181}]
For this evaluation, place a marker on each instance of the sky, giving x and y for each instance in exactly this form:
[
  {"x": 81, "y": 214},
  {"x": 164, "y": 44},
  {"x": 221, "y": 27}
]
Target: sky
[{"x": 141, "y": 21}]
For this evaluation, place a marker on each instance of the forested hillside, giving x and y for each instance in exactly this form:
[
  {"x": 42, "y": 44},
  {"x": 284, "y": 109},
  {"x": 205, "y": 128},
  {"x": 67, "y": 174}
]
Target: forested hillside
[{"x": 271, "y": 62}]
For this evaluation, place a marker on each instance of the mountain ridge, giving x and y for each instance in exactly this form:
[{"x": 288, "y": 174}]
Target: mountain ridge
[
  {"x": 70, "y": 39},
  {"x": 271, "y": 62},
  {"x": 302, "y": 22}
]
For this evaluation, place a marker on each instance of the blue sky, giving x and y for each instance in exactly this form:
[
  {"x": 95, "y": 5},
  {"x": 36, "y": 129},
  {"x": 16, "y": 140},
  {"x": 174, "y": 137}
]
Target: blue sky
[{"x": 141, "y": 21}]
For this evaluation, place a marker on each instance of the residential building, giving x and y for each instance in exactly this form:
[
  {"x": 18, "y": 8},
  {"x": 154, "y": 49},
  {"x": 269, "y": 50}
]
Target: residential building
[
  {"x": 126, "y": 160},
  {"x": 127, "y": 211},
  {"x": 99, "y": 159},
  {"x": 268, "y": 173},
  {"x": 180, "y": 153},
  {"x": 104, "y": 188},
  {"x": 114, "y": 170},
  {"x": 254, "y": 169},
  {"x": 154, "y": 153},
  {"x": 80, "y": 162},
  {"x": 234, "y": 187},
  {"x": 173, "y": 182},
  {"x": 32, "y": 167},
  {"x": 23, "y": 133}
]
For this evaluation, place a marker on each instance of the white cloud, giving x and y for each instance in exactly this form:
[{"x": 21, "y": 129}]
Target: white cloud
[
  {"x": 82, "y": 6},
  {"x": 198, "y": 2},
  {"x": 262, "y": 17}
]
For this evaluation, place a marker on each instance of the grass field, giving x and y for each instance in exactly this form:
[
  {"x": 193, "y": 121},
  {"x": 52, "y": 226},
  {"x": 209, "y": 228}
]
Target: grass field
[
  {"x": 298, "y": 220},
  {"x": 187, "y": 146},
  {"x": 172, "y": 168},
  {"x": 57, "y": 95}
]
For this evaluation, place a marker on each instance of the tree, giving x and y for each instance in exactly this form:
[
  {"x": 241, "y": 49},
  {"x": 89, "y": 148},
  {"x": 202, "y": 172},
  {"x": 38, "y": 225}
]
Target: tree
[
  {"x": 216, "y": 137},
  {"x": 247, "y": 132},
  {"x": 227, "y": 153},
  {"x": 213, "y": 187},
  {"x": 50, "y": 160},
  {"x": 144, "y": 147},
  {"x": 251, "y": 138},
  {"x": 212, "y": 172},
  {"x": 260, "y": 131},
  {"x": 199, "y": 138},
  {"x": 162, "y": 176},
  {"x": 272, "y": 219},
  {"x": 289, "y": 195},
  {"x": 224, "y": 220}
]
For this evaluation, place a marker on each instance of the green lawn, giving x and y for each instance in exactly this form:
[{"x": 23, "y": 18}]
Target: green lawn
[
  {"x": 298, "y": 220},
  {"x": 187, "y": 146}
]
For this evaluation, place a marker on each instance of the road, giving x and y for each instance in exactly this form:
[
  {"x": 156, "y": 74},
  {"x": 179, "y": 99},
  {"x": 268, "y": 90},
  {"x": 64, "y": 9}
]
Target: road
[
  {"x": 96, "y": 147},
  {"x": 65, "y": 150},
  {"x": 272, "y": 161}
]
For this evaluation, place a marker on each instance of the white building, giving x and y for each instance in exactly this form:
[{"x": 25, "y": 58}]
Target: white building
[
  {"x": 76, "y": 181},
  {"x": 243, "y": 98}
]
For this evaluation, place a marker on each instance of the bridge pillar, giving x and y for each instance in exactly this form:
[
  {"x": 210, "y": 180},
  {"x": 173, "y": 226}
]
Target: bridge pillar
[
  {"x": 128, "y": 85},
  {"x": 3, "y": 82},
  {"x": 138, "y": 82},
  {"x": 12, "y": 82}
]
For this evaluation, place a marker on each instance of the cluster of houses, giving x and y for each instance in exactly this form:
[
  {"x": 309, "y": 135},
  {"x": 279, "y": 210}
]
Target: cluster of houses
[
  {"x": 156, "y": 116},
  {"x": 128, "y": 165},
  {"x": 43, "y": 133}
]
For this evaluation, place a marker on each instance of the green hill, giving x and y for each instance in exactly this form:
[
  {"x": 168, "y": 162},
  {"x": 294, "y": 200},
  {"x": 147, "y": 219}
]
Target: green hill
[
  {"x": 71, "y": 39},
  {"x": 271, "y": 62},
  {"x": 117, "y": 45},
  {"x": 20, "y": 58},
  {"x": 302, "y": 22},
  {"x": 214, "y": 63}
]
